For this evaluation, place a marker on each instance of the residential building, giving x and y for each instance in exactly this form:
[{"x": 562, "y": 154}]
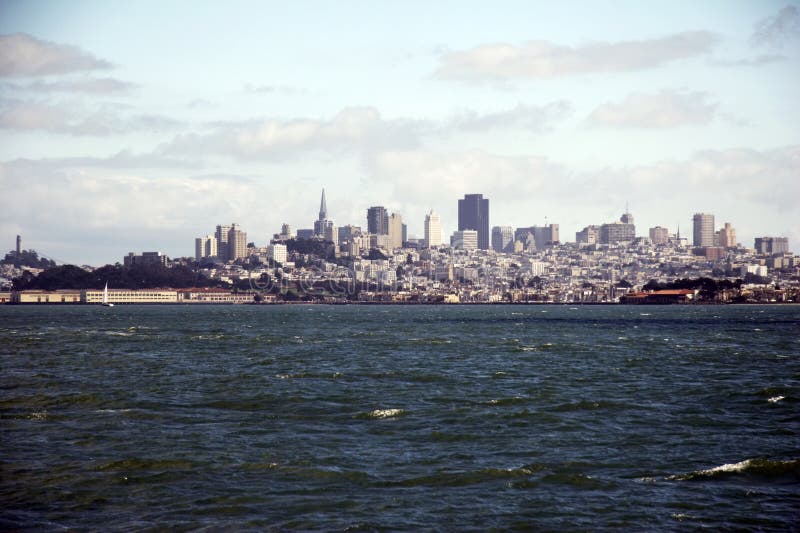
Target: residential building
[
  {"x": 145, "y": 258},
  {"x": 205, "y": 247},
  {"x": 237, "y": 243},
  {"x": 277, "y": 252},
  {"x": 222, "y": 241},
  {"x": 588, "y": 235}
]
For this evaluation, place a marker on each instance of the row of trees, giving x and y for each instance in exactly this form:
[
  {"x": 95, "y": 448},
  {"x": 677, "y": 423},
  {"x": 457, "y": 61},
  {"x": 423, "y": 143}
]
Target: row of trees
[
  {"x": 28, "y": 258},
  {"x": 117, "y": 276}
]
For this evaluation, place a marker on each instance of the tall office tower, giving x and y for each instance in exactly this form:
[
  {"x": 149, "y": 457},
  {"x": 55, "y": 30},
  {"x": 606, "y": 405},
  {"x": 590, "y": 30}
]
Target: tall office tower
[
  {"x": 395, "y": 231},
  {"x": 205, "y": 247},
  {"x": 222, "y": 241},
  {"x": 286, "y": 231},
  {"x": 433, "y": 230},
  {"x": 659, "y": 235},
  {"x": 626, "y": 217},
  {"x": 726, "y": 237},
  {"x": 464, "y": 239},
  {"x": 502, "y": 238},
  {"x": 703, "y": 229},
  {"x": 473, "y": 213},
  {"x": 588, "y": 235},
  {"x": 772, "y": 245},
  {"x": 378, "y": 220},
  {"x": 617, "y": 231},
  {"x": 237, "y": 243},
  {"x": 545, "y": 236}
]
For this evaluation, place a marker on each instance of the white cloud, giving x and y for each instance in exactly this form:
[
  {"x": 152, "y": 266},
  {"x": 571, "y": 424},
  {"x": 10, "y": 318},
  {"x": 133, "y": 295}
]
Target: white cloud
[
  {"x": 81, "y": 85},
  {"x": 531, "y": 118},
  {"x": 543, "y": 59},
  {"x": 22, "y": 55},
  {"x": 351, "y": 130},
  {"x": 73, "y": 120},
  {"x": 779, "y": 29},
  {"x": 666, "y": 109}
]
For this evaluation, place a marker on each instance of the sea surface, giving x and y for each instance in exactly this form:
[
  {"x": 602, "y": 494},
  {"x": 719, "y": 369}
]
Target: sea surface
[{"x": 415, "y": 418}]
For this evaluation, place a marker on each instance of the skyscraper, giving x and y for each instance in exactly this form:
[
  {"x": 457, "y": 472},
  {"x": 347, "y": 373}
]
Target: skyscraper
[
  {"x": 396, "y": 231},
  {"x": 726, "y": 236},
  {"x": 703, "y": 229},
  {"x": 659, "y": 235},
  {"x": 205, "y": 247},
  {"x": 237, "y": 243},
  {"x": 473, "y": 213},
  {"x": 502, "y": 237},
  {"x": 433, "y": 230},
  {"x": 322, "y": 226},
  {"x": 378, "y": 220},
  {"x": 222, "y": 241}
]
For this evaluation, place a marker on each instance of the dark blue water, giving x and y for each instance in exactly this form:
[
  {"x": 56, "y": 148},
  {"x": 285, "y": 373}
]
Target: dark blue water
[{"x": 400, "y": 418}]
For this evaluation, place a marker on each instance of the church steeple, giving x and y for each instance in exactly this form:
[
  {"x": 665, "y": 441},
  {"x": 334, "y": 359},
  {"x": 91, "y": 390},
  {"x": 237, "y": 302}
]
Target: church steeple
[{"x": 323, "y": 209}]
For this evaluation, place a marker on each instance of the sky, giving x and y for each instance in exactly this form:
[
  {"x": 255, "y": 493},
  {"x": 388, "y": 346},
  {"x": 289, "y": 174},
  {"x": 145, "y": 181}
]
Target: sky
[{"x": 139, "y": 126}]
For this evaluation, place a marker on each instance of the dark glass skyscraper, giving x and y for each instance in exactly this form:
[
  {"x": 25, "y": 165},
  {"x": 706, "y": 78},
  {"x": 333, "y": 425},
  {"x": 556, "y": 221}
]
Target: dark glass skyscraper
[
  {"x": 473, "y": 213},
  {"x": 378, "y": 220}
]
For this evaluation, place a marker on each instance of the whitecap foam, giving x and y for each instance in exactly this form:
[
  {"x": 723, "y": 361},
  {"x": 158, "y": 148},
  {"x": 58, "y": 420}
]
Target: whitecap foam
[
  {"x": 776, "y": 399},
  {"x": 386, "y": 413}
]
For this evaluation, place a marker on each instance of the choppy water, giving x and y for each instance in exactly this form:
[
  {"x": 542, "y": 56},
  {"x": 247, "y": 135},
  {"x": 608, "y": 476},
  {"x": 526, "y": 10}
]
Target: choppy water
[{"x": 400, "y": 418}]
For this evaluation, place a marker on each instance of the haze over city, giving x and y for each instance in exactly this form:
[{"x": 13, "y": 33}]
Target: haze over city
[{"x": 140, "y": 127}]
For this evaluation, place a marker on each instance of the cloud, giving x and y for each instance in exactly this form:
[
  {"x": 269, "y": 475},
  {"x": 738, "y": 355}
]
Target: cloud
[
  {"x": 542, "y": 59},
  {"x": 85, "y": 85},
  {"x": 274, "y": 89},
  {"x": 42, "y": 116},
  {"x": 779, "y": 29},
  {"x": 531, "y": 118},
  {"x": 667, "y": 109},
  {"x": 349, "y": 131},
  {"x": 22, "y": 55}
]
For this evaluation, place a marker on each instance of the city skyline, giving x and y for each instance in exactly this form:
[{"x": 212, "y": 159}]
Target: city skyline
[{"x": 130, "y": 127}]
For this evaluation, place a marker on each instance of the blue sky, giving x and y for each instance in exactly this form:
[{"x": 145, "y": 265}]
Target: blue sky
[{"x": 139, "y": 126}]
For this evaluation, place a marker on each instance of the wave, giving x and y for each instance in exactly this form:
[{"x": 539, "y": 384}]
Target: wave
[
  {"x": 762, "y": 468},
  {"x": 384, "y": 413}
]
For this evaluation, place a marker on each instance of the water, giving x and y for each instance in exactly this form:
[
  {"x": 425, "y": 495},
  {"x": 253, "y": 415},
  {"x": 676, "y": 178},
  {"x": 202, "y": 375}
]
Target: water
[{"x": 400, "y": 418}]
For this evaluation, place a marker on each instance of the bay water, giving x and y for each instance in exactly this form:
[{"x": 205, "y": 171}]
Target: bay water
[{"x": 316, "y": 417}]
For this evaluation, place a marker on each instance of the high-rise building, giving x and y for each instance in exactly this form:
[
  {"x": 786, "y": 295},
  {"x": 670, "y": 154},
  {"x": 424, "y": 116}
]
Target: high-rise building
[
  {"x": 378, "y": 220},
  {"x": 537, "y": 237},
  {"x": 205, "y": 247},
  {"x": 659, "y": 235},
  {"x": 473, "y": 213},
  {"x": 395, "y": 231},
  {"x": 726, "y": 237},
  {"x": 464, "y": 239},
  {"x": 145, "y": 258},
  {"x": 433, "y": 230},
  {"x": 222, "y": 241},
  {"x": 277, "y": 252},
  {"x": 772, "y": 245},
  {"x": 237, "y": 243},
  {"x": 588, "y": 235},
  {"x": 703, "y": 229},
  {"x": 616, "y": 232},
  {"x": 322, "y": 226},
  {"x": 286, "y": 231},
  {"x": 502, "y": 238}
]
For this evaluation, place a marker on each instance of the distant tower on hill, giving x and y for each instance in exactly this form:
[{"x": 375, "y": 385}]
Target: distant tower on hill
[{"x": 19, "y": 245}]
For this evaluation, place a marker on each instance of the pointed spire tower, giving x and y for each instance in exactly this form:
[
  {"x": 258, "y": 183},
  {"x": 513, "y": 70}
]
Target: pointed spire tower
[{"x": 323, "y": 208}]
